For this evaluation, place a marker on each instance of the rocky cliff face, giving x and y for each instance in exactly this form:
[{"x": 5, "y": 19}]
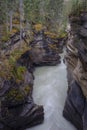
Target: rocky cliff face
[
  {"x": 75, "y": 109},
  {"x": 17, "y": 108},
  {"x": 17, "y": 63},
  {"x": 45, "y": 51}
]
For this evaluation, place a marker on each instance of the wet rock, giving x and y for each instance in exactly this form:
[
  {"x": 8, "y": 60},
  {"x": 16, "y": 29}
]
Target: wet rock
[
  {"x": 75, "y": 109},
  {"x": 84, "y": 16},
  {"x": 85, "y": 25},
  {"x": 22, "y": 116},
  {"x": 80, "y": 75},
  {"x": 4, "y": 86},
  {"x": 74, "y": 106},
  {"x": 18, "y": 93},
  {"x": 84, "y": 117},
  {"x": 44, "y": 50},
  {"x": 26, "y": 60},
  {"x": 83, "y": 32},
  {"x": 18, "y": 110}
]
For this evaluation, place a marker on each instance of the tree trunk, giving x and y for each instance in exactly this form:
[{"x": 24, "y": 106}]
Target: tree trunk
[
  {"x": 42, "y": 11},
  {"x": 7, "y": 29},
  {"x": 11, "y": 16},
  {"x": 21, "y": 18}
]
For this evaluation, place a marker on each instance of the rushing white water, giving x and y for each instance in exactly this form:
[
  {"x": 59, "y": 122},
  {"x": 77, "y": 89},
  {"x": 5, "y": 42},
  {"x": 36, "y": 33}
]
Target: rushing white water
[{"x": 50, "y": 90}]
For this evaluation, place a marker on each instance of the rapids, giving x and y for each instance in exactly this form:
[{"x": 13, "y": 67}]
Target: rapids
[{"x": 50, "y": 90}]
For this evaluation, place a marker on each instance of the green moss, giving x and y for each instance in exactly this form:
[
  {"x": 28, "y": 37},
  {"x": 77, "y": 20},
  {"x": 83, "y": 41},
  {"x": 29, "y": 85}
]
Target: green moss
[
  {"x": 12, "y": 61},
  {"x": 12, "y": 93},
  {"x": 19, "y": 97},
  {"x": 62, "y": 34},
  {"x": 15, "y": 95},
  {"x": 18, "y": 72},
  {"x": 5, "y": 37},
  {"x": 8, "y": 66},
  {"x": 27, "y": 89},
  {"x": 9, "y": 69},
  {"x": 51, "y": 34}
]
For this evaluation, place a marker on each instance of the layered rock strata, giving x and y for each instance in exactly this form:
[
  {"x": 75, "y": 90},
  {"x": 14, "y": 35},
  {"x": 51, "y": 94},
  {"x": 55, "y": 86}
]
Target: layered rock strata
[
  {"x": 75, "y": 109},
  {"x": 44, "y": 51},
  {"x": 17, "y": 108}
]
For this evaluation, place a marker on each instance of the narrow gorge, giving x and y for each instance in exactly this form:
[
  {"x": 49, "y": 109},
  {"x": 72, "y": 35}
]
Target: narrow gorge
[
  {"x": 75, "y": 109},
  {"x": 43, "y": 65}
]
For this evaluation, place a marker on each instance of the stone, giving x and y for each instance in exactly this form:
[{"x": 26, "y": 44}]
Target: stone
[
  {"x": 75, "y": 109},
  {"x": 17, "y": 108},
  {"x": 17, "y": 91},
  {"x": 85, "y": 25},
  {"x": 84, "y": 117},
  {"x": 83, "y": 16},
  {"x": 44, "y": 50},
  {"x": 83, "y": 32},
  {"x": 22, "y": 116},
  {"x": 74, "y": 106},
  {"x": 80, "y": 75}
]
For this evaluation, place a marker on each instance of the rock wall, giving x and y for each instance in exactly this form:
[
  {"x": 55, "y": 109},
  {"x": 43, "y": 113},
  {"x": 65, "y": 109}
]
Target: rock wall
[
  {"x": 17, "y": 108},
  {"x": 75, "y": 109},
  {"x": 44, "y": 51}
]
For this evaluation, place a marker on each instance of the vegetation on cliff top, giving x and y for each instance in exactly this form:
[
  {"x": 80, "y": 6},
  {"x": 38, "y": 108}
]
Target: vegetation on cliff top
[{"x": 19, "y": 15}]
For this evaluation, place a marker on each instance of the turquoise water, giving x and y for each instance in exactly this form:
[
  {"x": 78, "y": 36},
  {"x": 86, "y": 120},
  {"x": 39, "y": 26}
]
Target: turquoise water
[{"x": 50, "y": 90}]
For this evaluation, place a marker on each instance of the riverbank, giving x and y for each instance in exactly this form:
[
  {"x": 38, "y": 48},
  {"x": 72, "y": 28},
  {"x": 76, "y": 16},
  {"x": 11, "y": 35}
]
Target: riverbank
[{"x": 50, "y": 90}]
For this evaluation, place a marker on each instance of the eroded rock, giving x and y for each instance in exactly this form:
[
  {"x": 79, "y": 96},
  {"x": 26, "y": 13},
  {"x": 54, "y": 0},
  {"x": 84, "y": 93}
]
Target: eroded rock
[
  {"x": 17, "y": 108},
  {"x": 76, "y": 61},
  {"x": 44, "y": 50}
]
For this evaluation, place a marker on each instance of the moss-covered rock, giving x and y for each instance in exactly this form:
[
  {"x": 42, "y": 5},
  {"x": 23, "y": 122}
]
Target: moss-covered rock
[
  {"x": 20, "y": 87},
  {"x": 17, "y": 107}
]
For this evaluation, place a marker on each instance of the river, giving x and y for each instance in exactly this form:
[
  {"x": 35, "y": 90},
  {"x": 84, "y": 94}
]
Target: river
[{"x": 50, "y": 90}]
